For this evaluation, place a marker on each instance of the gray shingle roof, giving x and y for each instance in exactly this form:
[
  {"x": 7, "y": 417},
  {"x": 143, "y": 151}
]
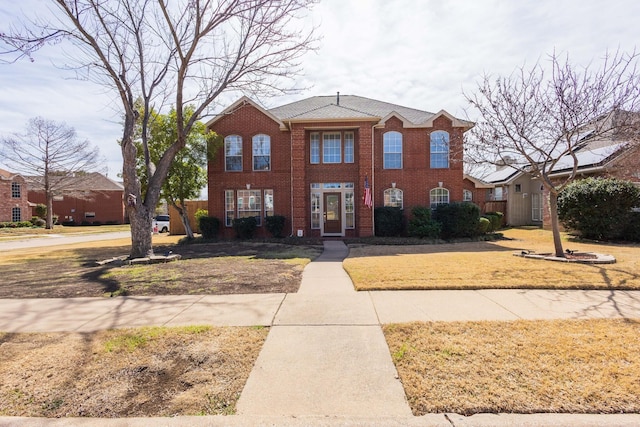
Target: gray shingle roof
[
  {"x": 82, "y": 182},
  {"x": 350, "y": 107}
]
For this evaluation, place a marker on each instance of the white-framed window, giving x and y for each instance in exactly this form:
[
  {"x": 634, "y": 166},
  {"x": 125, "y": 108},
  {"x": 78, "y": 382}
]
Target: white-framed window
[
  {"x": 438, "y": 196},
  {"x": 233, "y": 153},
  {"x": 268, "y": 202},
  {"x": 518, "y": 188},
  {"x": 331, "y": 147},
  {"x": 89, "y": 214},
  {"x": 315, "y": 210},
  {"x": 247, "y": 203},
  {"x": 261, "y": 149},
  {"x": 16, "y": 214},
  {"x": 229, "y": 207},
  {"x": 439, "y": 149},
  {"x": 393, "y": 198},
  {"x": 392, "y": 149},
  {"x": 467, "y": 195},
  {"x": 349, "y": 147},
  {"x": 314, "y": 154},
  {"x": 16, "y": 192},
  {"x": 349, "y": 210}
]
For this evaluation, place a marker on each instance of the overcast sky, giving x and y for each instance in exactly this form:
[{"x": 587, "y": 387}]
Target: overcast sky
[{"x": 416, "y": 53}]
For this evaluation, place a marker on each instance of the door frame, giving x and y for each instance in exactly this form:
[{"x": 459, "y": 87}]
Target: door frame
[{"x": 340, "y": 219}]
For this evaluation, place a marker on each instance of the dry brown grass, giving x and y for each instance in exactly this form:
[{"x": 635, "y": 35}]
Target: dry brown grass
[
  {"x": 577, "y": 366},
  {"x": 125, "y": 373},
  {"x": 486, "y": 265}
]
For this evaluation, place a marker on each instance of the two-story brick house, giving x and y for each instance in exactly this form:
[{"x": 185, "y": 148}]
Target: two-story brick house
[
  {"x": 14, "y": 203},
  {"x": 314, "y": 161}
]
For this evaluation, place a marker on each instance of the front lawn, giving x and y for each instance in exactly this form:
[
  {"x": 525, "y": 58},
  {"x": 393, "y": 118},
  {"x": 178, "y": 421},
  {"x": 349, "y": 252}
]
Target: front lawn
[
  {"x": 556, "y": 366},
  {"x": 490, "y": 265}
]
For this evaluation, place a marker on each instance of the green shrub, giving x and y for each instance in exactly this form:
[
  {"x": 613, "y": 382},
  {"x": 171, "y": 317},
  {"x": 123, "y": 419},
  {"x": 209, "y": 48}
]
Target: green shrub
[
  {"x": 209, "y": 227},
  {"x": 598, "y": 208},
  {"x": 23, "y": 224},
  {"x": 3, "y": 225},
  {"x": 245, "y": 227},
  {"x": 200, "y": 213},
  {"x": 458, "y": 219},
  {"x": 38, "y": 221},
  {"x": 421, "y": 225},
  {"x": 483, "y": 225},
  {"x": 631, "y": 232},
  {"x": 275, "y": 225},
  {"x": 40, "y": 210},
  {"x": 388, "y": 221},
  {"x": 495, "y": 218}
]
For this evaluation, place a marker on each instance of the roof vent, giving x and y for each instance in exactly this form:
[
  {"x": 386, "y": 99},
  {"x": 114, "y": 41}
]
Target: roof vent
[{"x": 338, "y": 99}]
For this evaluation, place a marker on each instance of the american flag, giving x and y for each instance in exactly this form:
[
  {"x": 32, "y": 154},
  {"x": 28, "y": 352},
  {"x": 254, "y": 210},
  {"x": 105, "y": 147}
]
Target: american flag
[{"x": 367, "y": 193}]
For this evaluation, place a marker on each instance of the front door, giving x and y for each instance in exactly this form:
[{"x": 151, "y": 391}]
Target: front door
[{"x": 332, "y": 213}]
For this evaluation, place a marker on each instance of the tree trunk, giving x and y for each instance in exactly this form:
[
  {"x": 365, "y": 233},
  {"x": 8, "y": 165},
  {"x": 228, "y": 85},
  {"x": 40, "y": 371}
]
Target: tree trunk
[
  {"x": 49, "y": 219},
  {"x": 184, "y": 216},
  {"x": 555, "y": 224},
  {"x": 141, "y": 233}
]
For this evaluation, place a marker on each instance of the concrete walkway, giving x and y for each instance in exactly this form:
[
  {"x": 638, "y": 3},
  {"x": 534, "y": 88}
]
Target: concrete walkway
[{"x": 325, "y": 361}]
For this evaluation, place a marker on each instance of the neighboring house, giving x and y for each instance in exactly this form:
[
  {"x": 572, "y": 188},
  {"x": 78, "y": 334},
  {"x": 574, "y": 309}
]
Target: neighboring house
[
  {"x": 90, "y": 198},
  {"x": 14, "y": 202},
  {"x": 526, "y": 200},
  {"x": 317, "y": 160}
]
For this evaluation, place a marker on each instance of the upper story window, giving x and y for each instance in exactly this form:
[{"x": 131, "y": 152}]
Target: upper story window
[
  {"x": 15, "y": 190},
  {"x": 392, "y": 147},
  {"x": 439, "y": 149},
  {"x": 467, "y": 195},
  {"x": 438, "y": 196},
  {"x": 314, "y": 154},
  {"x": 261, "y": 152},
  {"x": 233, "y": 153},
  {"x": 331, "y": 147},
  {"x": 348, "y": 147},
  {"x": 393, "y": 197}
]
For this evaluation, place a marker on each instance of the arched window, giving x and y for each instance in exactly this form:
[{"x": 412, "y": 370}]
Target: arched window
[
  {"x": 233, "y": 153},
  {"x": 467, "y": 195},
  {"x": 439, "y": 149},
  {"x": 261, "y": 152},
  {"x": 438, "y": 196},
  {"x": 392, "y": 146},
  {"x": 393, "y": 197}
]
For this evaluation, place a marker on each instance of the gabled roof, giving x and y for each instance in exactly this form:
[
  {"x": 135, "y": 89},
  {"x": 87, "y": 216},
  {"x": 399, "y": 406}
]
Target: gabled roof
[
  {"x": 477, "y": 182},
  {"x": 344, "y": 108},
  {"x": 6, "y": 174},
  {"x": 503, "y": 175},
  {"x": 92, "y": 181},
  {"x": 589, "y": 158},
  {"x": 241, "y": 103}
]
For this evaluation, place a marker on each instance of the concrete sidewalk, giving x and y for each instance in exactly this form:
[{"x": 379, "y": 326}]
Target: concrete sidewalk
[{"x": 325, "y": 361}]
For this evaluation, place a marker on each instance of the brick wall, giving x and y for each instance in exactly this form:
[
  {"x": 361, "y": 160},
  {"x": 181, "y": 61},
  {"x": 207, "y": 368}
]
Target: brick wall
[
  {"x": 108, "y": 206},
  {"x": 7, "y": 202},
  {"x": 290, "y": 157}
]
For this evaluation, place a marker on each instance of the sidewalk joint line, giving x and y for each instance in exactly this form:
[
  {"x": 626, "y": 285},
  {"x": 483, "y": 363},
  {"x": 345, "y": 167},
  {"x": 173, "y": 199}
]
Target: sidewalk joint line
[{"x": 183, "y": 310}]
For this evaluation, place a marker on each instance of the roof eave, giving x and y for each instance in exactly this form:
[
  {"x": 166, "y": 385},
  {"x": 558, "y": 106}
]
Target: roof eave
[{"x": 239, "y": 103}]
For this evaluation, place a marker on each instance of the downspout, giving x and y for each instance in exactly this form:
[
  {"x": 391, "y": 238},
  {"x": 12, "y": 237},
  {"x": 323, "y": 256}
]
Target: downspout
[
  {"x": 291, "y": 177},
  {"x": 373, "y": 181}
]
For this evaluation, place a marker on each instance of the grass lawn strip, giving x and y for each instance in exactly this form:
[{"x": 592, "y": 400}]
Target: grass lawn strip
[
  {"x": 126, "y": 373},
  {"x": 490, "y": 265},
  {"x": 558, "y": 366}
]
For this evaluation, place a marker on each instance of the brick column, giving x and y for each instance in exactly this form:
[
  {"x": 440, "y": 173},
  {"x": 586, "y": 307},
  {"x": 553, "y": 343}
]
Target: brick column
[
  {"x": 300, "y": 205},
  {"x": 364, "y": 214}
]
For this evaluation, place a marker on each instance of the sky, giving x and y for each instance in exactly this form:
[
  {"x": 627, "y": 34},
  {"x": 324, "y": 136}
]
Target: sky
[{"x": 424, "y": 54}]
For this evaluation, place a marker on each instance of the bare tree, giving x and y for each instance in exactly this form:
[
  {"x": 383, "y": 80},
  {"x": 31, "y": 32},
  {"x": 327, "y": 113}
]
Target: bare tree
[
  {"x": 171, "y": 54},
  {"x": 532, "y": 121},
  {"x": 53, "y": 154}
]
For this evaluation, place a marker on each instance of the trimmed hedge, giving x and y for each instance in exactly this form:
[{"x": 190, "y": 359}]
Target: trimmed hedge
[
  {"x": 209, "y": 226},
  {"x": 388, "y": 221},
  {"x": 458, "y": 219},
  {"x": 275, "y": 225},
  {"x": 422, "y": 225},
  {"x": 245, "y": 228}
]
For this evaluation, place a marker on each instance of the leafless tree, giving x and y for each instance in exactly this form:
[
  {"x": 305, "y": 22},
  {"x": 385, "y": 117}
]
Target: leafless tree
[
  {"x": 53, "y": 155},
  {"x": 534, "y": 118},
  {"x": 171, "y": 54}
]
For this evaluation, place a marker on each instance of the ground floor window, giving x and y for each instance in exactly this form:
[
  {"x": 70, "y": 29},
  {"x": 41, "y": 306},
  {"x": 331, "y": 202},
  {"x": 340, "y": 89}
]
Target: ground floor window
[
  {"x": 16, "y": 215},
  {"x": 247, "y": 203},
  {"x": 467, "y": 195},
  {"x": 438, "y": 196},
  {"x": 393, "y": 198}
]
